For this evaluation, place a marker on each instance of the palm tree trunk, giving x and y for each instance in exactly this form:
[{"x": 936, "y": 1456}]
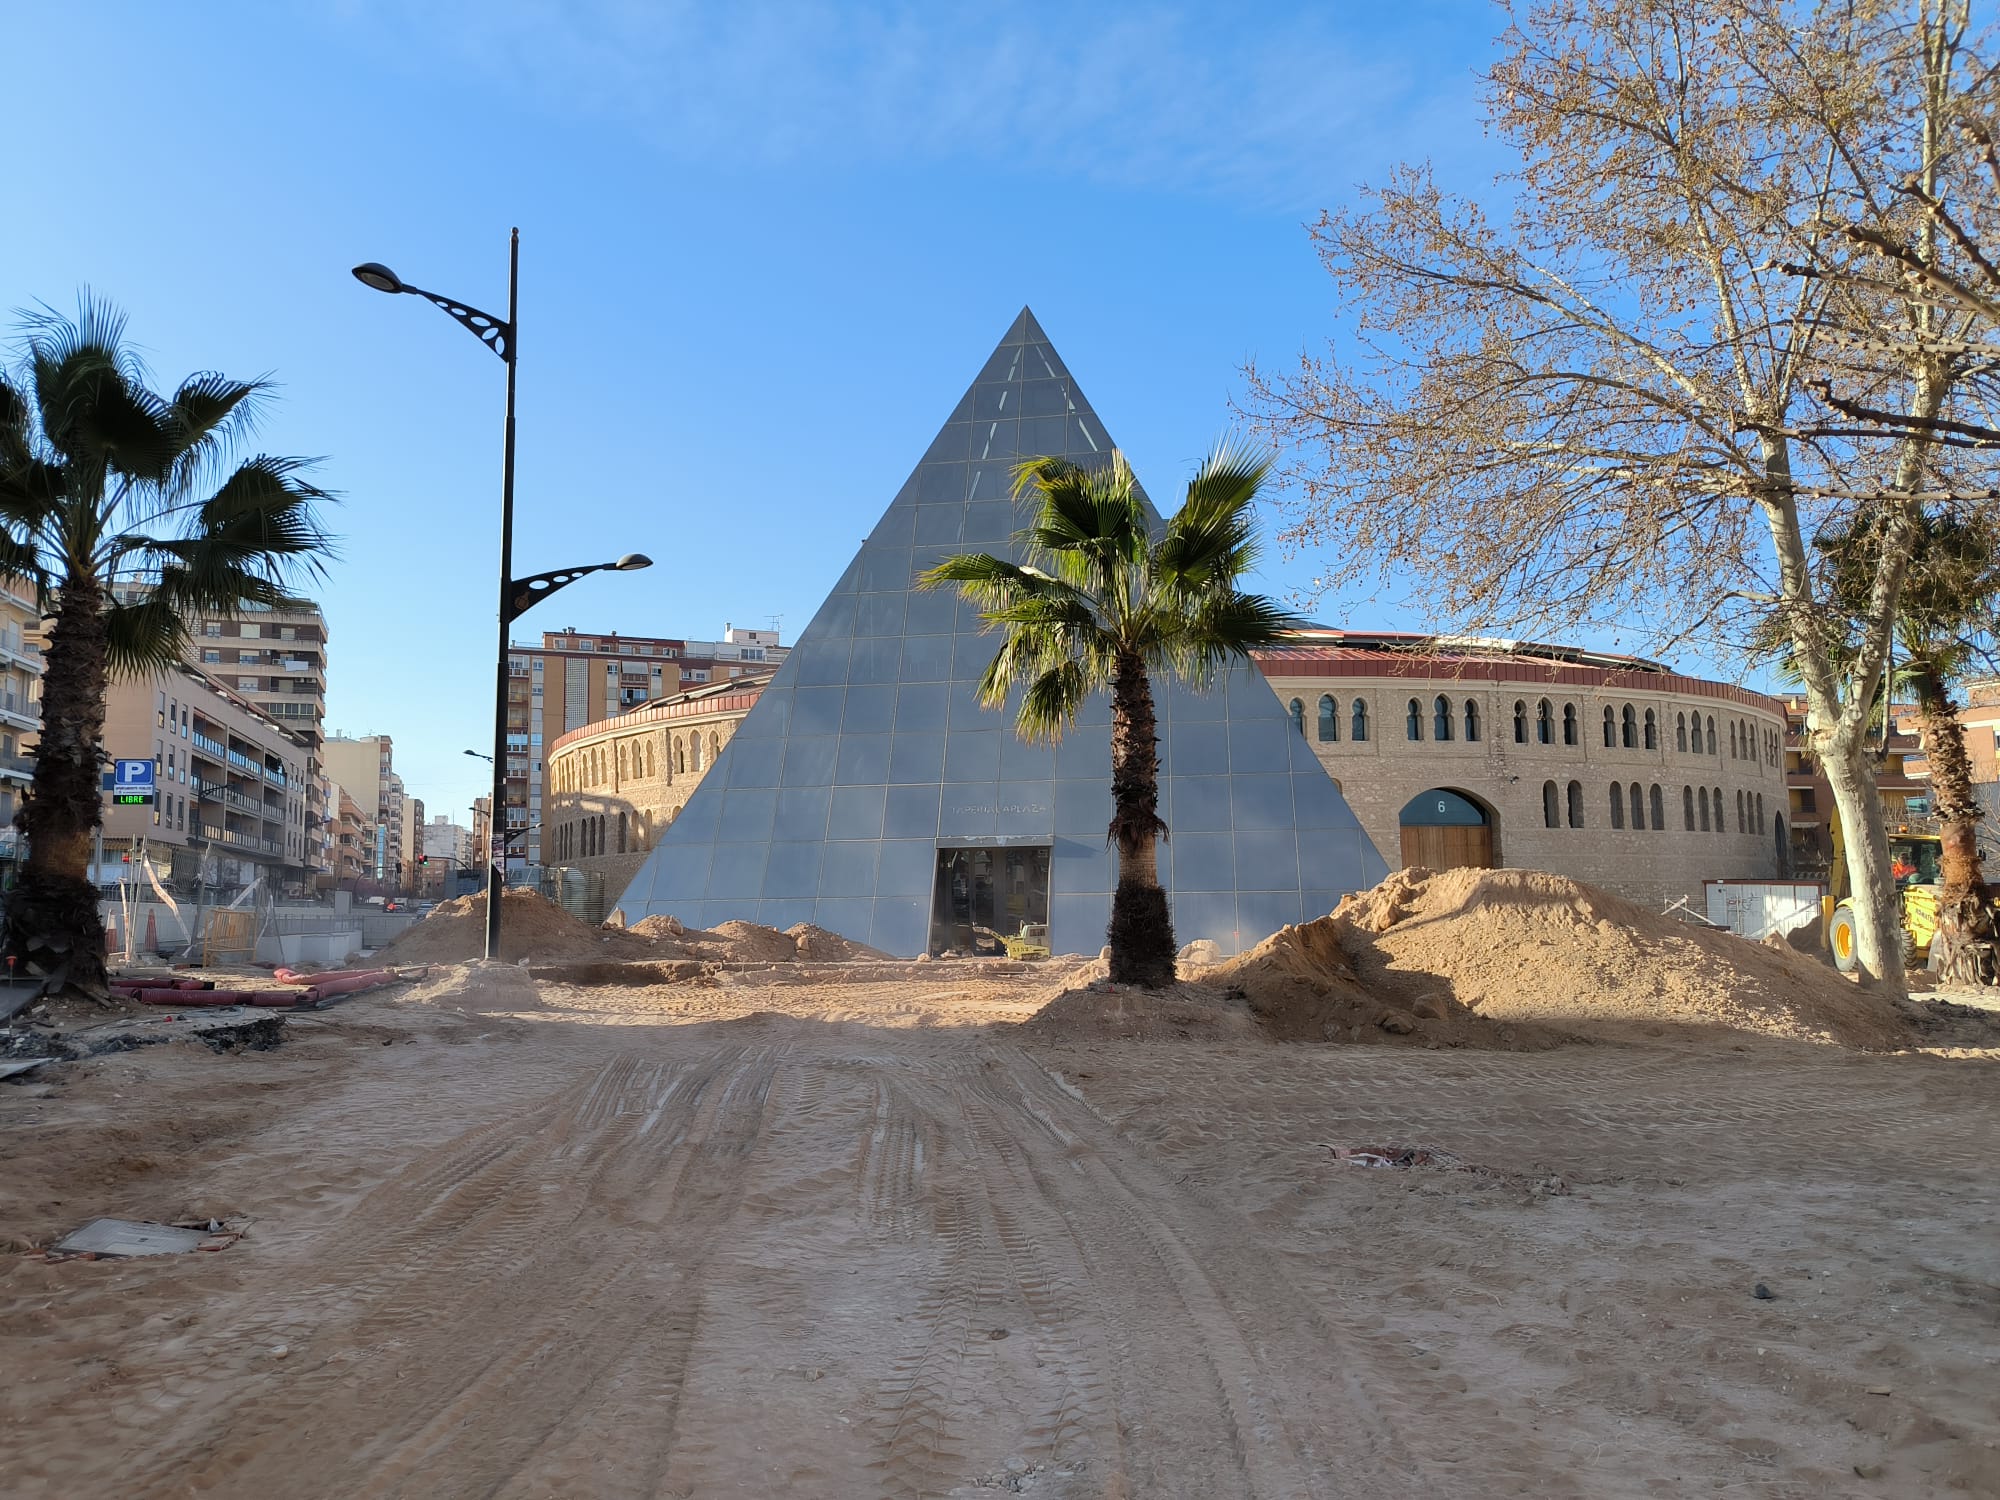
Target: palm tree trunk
[
  {"x": 52, "y": 920},
  {"x": 1951, "y": 785},
  {"x": 1142, "y": 931}
]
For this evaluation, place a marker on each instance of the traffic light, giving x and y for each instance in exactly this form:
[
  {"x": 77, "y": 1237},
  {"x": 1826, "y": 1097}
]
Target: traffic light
[{"x": 423, "y": 859}]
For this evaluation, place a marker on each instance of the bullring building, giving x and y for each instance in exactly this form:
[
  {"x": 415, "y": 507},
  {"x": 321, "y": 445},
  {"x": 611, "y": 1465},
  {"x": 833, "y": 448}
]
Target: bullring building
[
  {"x": 867, "y": 792},
  {"x": 1609, "y": 769}
]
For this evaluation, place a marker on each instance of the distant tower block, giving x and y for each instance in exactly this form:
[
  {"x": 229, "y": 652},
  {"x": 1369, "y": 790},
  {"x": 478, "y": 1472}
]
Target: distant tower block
[{"x": 869, "y": 793}]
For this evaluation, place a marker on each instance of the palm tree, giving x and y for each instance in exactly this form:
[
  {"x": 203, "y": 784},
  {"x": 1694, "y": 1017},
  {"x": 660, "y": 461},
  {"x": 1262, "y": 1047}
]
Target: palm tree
[
  {"x": 1098, "y": 602},
  {"x": 1946, "y": 606},
  {"x": 120, "y": 505}
]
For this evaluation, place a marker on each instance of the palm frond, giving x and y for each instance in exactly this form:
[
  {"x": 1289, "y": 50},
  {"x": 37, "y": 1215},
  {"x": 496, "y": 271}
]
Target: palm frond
[
  {"x": 1051, "y": 703},
  {"x": 1222, "y": 629},
  {"x": 1211, "y": 540},
  {"x": 145, "y": 636}
]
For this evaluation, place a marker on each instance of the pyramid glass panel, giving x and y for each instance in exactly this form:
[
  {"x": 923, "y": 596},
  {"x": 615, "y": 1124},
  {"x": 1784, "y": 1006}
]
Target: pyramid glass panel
[{"x": 869, "y": 793}]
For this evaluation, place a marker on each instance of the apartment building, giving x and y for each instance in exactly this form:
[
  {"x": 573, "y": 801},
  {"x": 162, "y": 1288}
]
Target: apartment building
[
  {"x": 231, "y": 785},
  {"x": 353, "y": 841},
  {"x": 20, "y": 705},
  {"x": 365, "y": 766},
  {"x": 276, "y": 659},
  {"x": 1902, "y": 780},
  {"x": 575, "y": 678}
]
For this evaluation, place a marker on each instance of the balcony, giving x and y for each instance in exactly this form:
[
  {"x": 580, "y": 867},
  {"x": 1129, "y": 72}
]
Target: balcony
[
  {"x": 17, "y": 765},
  {"x": 275, "y": 776},
  {"x": 214, "y": 749}
]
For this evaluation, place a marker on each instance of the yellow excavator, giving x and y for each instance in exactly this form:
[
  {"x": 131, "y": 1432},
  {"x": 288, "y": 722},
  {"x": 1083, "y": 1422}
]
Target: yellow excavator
[{"x": 1915, "y": 859}]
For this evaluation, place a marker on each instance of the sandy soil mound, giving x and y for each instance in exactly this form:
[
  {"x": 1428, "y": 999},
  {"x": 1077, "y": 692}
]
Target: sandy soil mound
[
  {"x": 815, "y": 945},
  {"x": 531, "y": 926},
  {"x": 1524, "y": 946},
  {"x": 1103, "y": 1011},
  {"x": 1302, "y": 987},
  {"x": 747, "y": 942}
]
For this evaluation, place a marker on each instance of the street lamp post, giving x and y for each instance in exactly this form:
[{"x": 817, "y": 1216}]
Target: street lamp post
[{"x": 516, "y": 595}]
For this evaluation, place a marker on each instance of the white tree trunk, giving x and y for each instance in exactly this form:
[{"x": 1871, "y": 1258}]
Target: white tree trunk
[{"x": 1878, "y": 917}]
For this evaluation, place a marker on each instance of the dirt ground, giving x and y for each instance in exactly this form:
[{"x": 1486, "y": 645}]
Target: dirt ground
[{"x": 855, "y": 1233}]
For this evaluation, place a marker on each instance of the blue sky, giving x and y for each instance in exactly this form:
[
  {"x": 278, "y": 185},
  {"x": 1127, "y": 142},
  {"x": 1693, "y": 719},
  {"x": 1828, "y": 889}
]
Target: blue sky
[{"x": 764, "y": 248}]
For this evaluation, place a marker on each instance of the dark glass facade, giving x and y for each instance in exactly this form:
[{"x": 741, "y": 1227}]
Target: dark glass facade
[{"x": 868, "y": 762}]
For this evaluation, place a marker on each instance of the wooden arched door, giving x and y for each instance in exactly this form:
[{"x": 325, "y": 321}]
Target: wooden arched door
[{"x": 1443, "y": 830}]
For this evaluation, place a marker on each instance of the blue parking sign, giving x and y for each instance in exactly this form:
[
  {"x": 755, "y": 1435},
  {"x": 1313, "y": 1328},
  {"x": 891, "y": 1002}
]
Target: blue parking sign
[{"x": 133, "y": 776}]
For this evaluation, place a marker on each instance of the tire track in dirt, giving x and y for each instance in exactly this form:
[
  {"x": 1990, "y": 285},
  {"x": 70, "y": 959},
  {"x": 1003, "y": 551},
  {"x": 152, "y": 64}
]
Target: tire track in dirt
[
  {"x": 1237, "y": 1305},
  {"x": 494, "y": 1297}
]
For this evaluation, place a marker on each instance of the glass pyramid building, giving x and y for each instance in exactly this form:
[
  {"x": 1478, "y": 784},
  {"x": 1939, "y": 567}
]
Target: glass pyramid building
[{"x": 869, "y": 793}]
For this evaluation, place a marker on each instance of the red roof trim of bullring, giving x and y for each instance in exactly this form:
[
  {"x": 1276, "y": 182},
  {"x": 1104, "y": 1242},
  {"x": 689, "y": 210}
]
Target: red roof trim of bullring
[{"x": 1414, "y": 664}]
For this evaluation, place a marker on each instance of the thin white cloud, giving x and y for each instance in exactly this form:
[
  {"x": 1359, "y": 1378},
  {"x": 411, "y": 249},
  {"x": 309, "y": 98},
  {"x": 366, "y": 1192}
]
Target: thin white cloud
[{"x": 1281, "y": 110}]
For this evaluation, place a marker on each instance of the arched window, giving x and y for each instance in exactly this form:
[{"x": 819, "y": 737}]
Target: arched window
[
  {"x": 1471, "y": 720},
  {"x": 1329, "y": 719},
  {"x": 1545, "y": 723},
  {"x": 1732, "y": 740},
  {"x": 694, "y": 747},
  {"x": 652, "y": 768},
  {"x": 1520, "y": 722},
  {"x": 1441, "y": 717},
  {"x": 1681, "y": 732},
  {"x": 1631, "y": 728},
  {"x": 1617, "y": 805},
  {"x": 1551, "y": 806},
  {"x": 1576, "y": 804},
  {"x": 1760, "y": 813},
  {"x": 680, "y": 758},
  {"x": 1742, "y": 823},
  {"x": 1659, "y": 803},
  {"x": 1360, "y": 724},
  {"x": 1652, "y": 731},
  {"x": 714, "y": 747},
  {"x": 1702, "y": 795},
  {"x": 1687, "y": 807},
  {"x": 1719, "y": 825},
  {"x": 1569, "y": 724},
  {"x": 1413, "y": 721},
  {"x": 602, "y": 845},
  {"x": 1298, "y": 712},
  {"x": 1638, "y": 807},
  {"x": 1610, "y": 727},
  {"x": 621, "y": 833},
  {"x": 1711, "y": 734}
]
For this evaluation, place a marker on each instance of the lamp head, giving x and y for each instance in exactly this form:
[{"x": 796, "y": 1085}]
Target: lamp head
[
  {"x": 374, "y": 274},
  {"x": 631, "y": 562}
]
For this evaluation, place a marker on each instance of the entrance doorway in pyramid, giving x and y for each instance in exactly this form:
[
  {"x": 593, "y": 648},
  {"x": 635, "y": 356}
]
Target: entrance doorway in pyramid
[{"x": 869, "y": 793}]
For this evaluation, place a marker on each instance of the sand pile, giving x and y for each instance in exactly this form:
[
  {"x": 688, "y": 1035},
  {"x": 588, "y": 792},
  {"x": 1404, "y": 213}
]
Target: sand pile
[
  {"x": 1098, "y": 1010},
  {"x": 1302, "y": 987},
  {"x": 815, "y": 945},
  {"x": 531, "y": 926},
  {"x": 749, "y": 943},
  {"x": 1521, "y": 946}
]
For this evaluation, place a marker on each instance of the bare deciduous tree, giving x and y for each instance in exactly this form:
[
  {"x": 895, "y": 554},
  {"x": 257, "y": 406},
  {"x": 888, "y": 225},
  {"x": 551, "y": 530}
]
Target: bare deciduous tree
[{"x": 1614, "y": 404}]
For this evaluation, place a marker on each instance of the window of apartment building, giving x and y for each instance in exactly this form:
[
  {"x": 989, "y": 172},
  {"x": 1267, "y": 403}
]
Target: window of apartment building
[
  {"x": 246, "y": 684},
  {"x": 251, "y": 631},
  {"x": 211, "y": 627},
  {"x": 211, "y": 658}
]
